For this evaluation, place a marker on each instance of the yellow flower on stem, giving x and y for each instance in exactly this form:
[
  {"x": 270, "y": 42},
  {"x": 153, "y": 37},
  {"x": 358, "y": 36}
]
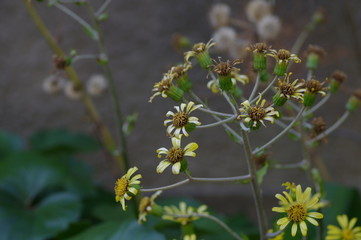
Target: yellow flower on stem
[
  {"x": 127, "y": 186},
  {"x": 286, "y": 90},
  {"x": 181, "y": 121},
  {"x": 255, "y": 115},
  {"x": 166, "y": 88},
  {"x": 147, "y": 205},
  {"x": 348, "y": 231},
  {"x": 283, "y": 57},
  {"x": 175, "y": 155},
  {"x": 200, "y": 51},
  {"x": 183, "y": 214},
  {"x": 297, "y": 209}
]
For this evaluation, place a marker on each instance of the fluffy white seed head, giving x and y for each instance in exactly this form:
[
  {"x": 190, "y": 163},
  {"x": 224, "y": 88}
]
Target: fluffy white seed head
[
  {"x": 219, "y": 15},
  {"x": 96, "y": 85},
  {"x": 53, "y": 84},
  {"x": 269, "y": 27},
  {"x": 71, "y": 91},
  {"x": 257, "y": 9},
  {"x": 225, "y": 38}
]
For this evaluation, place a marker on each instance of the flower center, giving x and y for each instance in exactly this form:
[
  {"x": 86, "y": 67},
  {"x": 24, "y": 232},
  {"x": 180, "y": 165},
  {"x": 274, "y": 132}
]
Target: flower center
[
  {"x": 297, "y": 213},
  {"x": 175, "y": 154},
  {"x": 347, "y": 234},
  {"x": 163, "y": 85},
  {"x": 223, "y": 68},
  {"x": 256, "y": 113},
  {"x": 283, "y": 54},
  {"x": 313, "y": 86},
  {"x": 199, "y": 47},
  {"x": 180, "y": 119},
  {"x": 287, "y": 89},
  {"x": 121, "y": 186}
]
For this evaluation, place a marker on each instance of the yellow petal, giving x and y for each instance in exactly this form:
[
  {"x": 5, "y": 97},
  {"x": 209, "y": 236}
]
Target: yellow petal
[{"x": 294, "y": 229}]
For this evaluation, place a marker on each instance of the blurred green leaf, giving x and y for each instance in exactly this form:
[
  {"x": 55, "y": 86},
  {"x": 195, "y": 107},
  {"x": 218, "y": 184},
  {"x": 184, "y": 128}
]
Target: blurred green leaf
[
  {"x": 63, "y": 142},
  {"x": 9, "y": 143},
  {"x": 117, "y": 230},
  {"x": 262, "y": 172},
  {"x": 38, "y": 220}
]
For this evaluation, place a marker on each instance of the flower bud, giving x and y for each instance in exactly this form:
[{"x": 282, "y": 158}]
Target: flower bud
[
  {"x": 279, "y": 99},
  {"x": 175, "y": 93},
  {"x": 337, "y": 78},
  {"x": 354, "y": 101}
]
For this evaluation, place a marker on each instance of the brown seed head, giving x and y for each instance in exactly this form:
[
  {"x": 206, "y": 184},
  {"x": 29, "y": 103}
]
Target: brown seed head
[
  {"x": 178, "y": 71},
  {"x": 287, "y": 89},
  {"x": 283, "y": 54},
  {"x": 59, "y": 62},
  {"x": 256, "y": 113},
  {"x": 180, "y": 119},
  {"x": 225, "y": 68},
  {"x": 357, "y": 94},
  {"x": 339, "y": 76},
  {"x": 314, "y": 86},
  {"x": 164, "y": 85},
  {"x": 319, "y": 125},
  {"x": 315, "y": 50},
  {"x": 259, "y": 48},
  {"x": 175, "y": 154},
  {"x": 199, "y": 47}
]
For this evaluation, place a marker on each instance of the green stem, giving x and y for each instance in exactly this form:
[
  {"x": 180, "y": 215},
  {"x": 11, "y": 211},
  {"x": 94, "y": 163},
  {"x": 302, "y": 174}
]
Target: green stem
[
  {"x": 261, "y": 215},
  {"x": 258, "y": 149},
  {"x": 330, "y": 129},
  {"x": 265, "y": 90}
]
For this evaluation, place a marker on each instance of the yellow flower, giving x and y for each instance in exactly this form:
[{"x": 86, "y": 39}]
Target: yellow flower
[
  {"x": 287, "y": 89},
  {"x": 127, "y": 186},
  {"x": 200, "y": 51},
  {"x": 283, "y": 56},
  {"x": 348, "y": 231},
  {"x": 254, "y": 116},
  {"x": 175, "y": 155},
  {"x": 184, "y": 214},
  {"x": 181, "y": 120},
  {"x": 166, "y": 88},
  {"x": 297, "y": 210},
  {"x": 146, "y": 205}
]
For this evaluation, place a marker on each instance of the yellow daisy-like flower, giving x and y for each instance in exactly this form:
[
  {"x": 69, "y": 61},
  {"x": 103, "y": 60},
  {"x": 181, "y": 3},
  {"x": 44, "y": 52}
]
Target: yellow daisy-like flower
[
  {"x": 181, "y": 120},
  {"x": 127, "y": 186},
  {"x": 183, "y": 214},
  {"x": 200, "y": 51},
  {"x": 175, "y": 155},
  {"x": 283, "y": 56},
  {"x": 146, "y": 205},
  {"x": 348, "y": 231},
  {"x": 255, "y": 115},
  {"x": 286, "y": 90},
  {"x": 297, "y": 209}
]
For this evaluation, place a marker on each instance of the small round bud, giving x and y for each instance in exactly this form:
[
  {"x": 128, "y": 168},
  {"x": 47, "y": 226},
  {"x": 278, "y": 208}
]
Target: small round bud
[
  {"x": 257, "y": 9},
  {"x": 312, "y": 88},
  {"x": 53, "y": 84},
  {"x": 259, "y": 55},
  {"x": 269, "y": 27},
  {"x": 337, "y": 78},
  {"x": 224, "y": 71},
  {"x": 354, "y": 101},
  {"x": 219, "y": 15},
  {"x": 96, "y": 85},
  {"x": 314, "y": 53}
]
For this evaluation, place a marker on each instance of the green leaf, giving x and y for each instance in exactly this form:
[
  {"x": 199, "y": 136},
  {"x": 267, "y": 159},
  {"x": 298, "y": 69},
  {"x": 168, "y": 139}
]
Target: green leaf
[
  {"x": 117, "y": 230},
  {"x": 9, "y": 143},
  {"x": 60, "y": 141},
  {"x": 45, "y": 219},
  {"x": 262, "y": 172},
  {"x": 129, "y": 123}
]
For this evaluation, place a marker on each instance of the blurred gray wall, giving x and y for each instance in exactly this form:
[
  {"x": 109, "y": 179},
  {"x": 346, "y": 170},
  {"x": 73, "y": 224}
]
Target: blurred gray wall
[{"x": 138, "y": 37}]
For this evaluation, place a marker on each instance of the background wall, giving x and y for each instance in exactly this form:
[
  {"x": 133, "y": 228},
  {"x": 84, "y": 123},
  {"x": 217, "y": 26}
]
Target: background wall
[{"x": 138, "y": 37}]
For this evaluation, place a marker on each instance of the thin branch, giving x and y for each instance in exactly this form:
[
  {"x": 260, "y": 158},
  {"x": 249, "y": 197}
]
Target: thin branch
[
  {"x": 166, "y": 187},
  {"x": 318, "y": 105},
  {"x": 265, "y": 90},
  {"x": 255, "y": 87},
  {"x": 218, "y": 123},
  {"x": 103, "y": 7}
]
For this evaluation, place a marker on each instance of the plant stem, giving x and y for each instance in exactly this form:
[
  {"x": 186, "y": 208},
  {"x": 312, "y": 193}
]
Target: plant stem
[
  {"x": 78, "y": 19},
  {"x": 106, "y": 137},
  {"x": 103, "y": 7},
  {"x": 221, "y": 122},
  {"x": 210, "y": 217},
  {"x": 261, "y": 215},
  {"x": 165, "y": 187},
  {"x": 215, "y": 113},
  {"x": 265, "y": 90},
  {"x": 255, "y": 87},
  {"x": 302, "y": 164},
  {"x": 330, "y": 129},
  {"x": 283, "y": 125},
  {"x": 281, "y": 133},
  {"x": 318, "y": 105}
]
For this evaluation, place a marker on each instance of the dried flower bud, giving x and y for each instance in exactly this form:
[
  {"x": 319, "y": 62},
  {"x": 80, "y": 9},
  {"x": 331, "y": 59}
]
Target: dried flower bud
[
  {"x": 53, "y": 84},
  {"x": 337, "y": 78},
  {"x": 73, "y": 92},
  {"x": 225, "y": 37},
  {"x": 257, "y": 9},
  {"x": 269, "y": 27},
  {"x": 318, "y": 126},
  {"x": 181, "y": 42},
  {"x": 314, "y": 54},
  {"x": 96, "y": 85},
  {"x": 59, "y": 62},
  {"x": 200, "y": 52},
  {"x": 312, "y": 88},
  {"x": 354, "y": 101},
  {"x": 224, "y": 71},
  {"x": 219, "y": 15},
  {"x": 259, "y": 55}
]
